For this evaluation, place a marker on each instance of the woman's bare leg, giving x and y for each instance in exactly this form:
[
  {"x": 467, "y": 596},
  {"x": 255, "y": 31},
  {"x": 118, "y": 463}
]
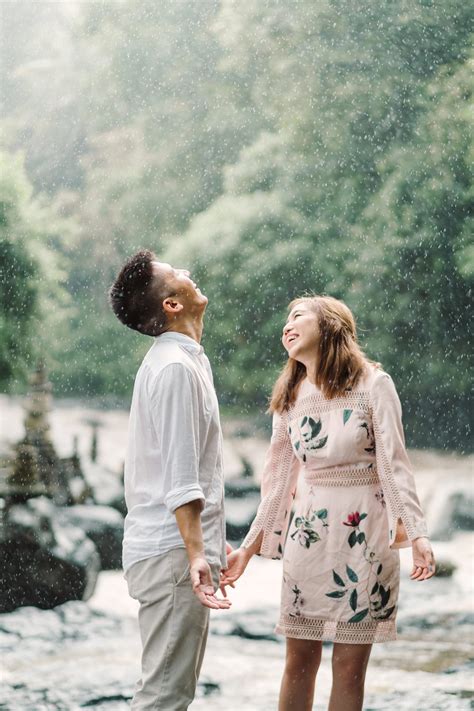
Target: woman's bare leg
[
  {"x": 349, "y": 664},
  {"x": 302, "y": 663}
]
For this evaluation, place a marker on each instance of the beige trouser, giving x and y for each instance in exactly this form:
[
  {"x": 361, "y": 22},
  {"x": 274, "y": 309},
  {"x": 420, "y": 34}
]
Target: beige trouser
[{"x": 173, "y": 629}]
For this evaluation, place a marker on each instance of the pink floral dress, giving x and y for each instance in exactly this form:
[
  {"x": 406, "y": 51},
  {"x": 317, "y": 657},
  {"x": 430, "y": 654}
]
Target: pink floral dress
[{"x": 357, "y": 505}]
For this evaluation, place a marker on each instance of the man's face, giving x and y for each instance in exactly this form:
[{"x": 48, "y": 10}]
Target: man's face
[{"x": 178, "y": 283}]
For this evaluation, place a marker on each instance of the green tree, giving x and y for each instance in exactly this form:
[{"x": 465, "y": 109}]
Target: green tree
[
  {"x": 32, "y": 302},
  {"x": 345, "y": 86},
  {"x": 160, "y": 125},
  {"x": 40, "y": 77},
  {"x": 417, "y": 269}
]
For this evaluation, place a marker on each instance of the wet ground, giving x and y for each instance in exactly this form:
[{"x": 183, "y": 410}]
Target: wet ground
[{"x": 86, "y": 654}]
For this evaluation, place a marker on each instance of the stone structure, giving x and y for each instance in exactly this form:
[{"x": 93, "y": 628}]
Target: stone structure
[
  {"x": 53, "y": 538},
  {"x": 36, "y": 469}
]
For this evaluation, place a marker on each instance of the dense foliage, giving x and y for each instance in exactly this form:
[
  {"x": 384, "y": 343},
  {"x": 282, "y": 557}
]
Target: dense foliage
[
  {"x": 31, "y": 277},
  {"x": 275, "y": 148}
]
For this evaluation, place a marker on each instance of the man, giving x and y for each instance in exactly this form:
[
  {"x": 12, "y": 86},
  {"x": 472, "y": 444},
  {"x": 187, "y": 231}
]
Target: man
[{"x": 174, "y": 541}]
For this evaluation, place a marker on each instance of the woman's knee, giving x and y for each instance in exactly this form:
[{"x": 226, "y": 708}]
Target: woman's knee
[
  {"x": 302, "y": 656},
  {"x": 350, "y": 670},
  {"x": 350, "y": 675}
]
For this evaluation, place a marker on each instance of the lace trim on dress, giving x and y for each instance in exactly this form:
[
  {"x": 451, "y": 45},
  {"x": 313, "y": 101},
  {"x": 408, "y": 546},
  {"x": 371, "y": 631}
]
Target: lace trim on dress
[
  {"x": 268, "y": 512},
  {"x": 391, "y": 490},
  {"x": 348, "y": 476},
  {"x": 358, "y": 399},
  {"x": 390, "y": 487},
  {"x": 334, "y": 631}
]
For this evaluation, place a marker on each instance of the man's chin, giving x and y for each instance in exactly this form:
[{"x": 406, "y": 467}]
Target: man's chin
[{"x": 199, "y": 304}]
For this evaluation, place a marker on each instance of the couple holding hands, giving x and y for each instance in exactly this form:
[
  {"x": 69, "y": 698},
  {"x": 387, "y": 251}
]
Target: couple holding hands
[{"x": 337, "y": 435}]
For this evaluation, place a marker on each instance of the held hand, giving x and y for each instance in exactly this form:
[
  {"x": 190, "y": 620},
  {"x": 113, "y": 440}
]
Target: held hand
[
  {"x": 236, "y": 563},
  {"x": 424, "y": 566},
  {"x": 201, "y": 580},
  {"x": 222, "y": 586}
]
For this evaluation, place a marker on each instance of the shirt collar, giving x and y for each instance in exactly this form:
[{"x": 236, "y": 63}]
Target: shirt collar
[{"x": 186, "y": 342}]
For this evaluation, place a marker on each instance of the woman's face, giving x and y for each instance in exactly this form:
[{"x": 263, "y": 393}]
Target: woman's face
[{"x": 300, "y": 333}]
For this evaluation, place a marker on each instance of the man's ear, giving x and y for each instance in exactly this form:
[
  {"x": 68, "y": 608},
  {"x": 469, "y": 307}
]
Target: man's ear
[{"x": 171, "y": 306}]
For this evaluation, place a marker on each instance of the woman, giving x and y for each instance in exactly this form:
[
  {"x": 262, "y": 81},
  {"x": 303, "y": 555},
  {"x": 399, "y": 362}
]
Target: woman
[{"x": 337, "y": 420}]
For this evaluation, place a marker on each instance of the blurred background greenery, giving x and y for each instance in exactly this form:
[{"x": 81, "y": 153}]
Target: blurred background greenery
[{"x": 274, "y": 148}]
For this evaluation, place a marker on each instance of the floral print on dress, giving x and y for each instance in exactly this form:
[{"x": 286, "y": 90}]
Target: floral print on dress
[
  {"x": 305, "y": 532},
  {"x": 370, "y": 444},
  {"x": 308, "y": 438},
  {"x": 379, "y": 495},
  {"x": 298, "y": 601},
  {"x": 375, "y": 603},
  {"x": 358, "y": 537},
  {"x": 295, "y": 595}
]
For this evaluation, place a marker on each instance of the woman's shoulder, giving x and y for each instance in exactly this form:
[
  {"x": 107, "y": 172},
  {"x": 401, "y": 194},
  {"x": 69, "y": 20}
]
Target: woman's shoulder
[
  {"x": 379, "y": 384},
  {"x": 374, "y": 376}
]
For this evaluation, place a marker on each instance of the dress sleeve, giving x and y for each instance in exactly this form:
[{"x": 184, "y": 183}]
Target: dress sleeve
[
  {"x": 175, "y": 414},
  {"x": 278, "y": 488},
  {"x": 406, "y": 519}
]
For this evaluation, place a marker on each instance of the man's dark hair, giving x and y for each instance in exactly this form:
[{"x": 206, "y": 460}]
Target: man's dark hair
[{"x": 135, "y": 298}]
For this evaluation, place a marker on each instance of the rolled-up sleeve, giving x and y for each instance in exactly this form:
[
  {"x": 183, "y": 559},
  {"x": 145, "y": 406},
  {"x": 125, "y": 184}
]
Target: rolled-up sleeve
[{"x": 175, "y": 416}]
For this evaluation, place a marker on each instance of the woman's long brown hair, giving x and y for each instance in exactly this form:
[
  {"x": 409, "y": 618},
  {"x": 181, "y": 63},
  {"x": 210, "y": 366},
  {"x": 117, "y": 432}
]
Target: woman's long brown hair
[{"x": 340, "y": 362}]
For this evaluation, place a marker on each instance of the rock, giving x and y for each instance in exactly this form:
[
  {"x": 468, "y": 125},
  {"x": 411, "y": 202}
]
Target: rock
[
  {"x": 118, "y": 503},
  {"x": 242, "y": 497},
  {"x": 103, "y": 525},
  {"x": 101, "y": 700},
  {"x": 244, "y": 455},
  {"x": 232, "y": 460},
  {"x": 44, "y": 562},
  {"x": 445, "y": 568},
  {"x": 240, "y": 513},
  {"x": 241, "y": 631},
  {"x": 463, "y": 513},
  {"x": 451, "y": 510},
  {"x": 106, "y": 484},
  {"x": 206, "y": 687},
  {"x": 254, "y": 625},
  {"x": 89, "y": 659},
  {"x": 434, "y": 620},
  {"x": 240, "y": 488},
  {"x": 70, "y": 640}
]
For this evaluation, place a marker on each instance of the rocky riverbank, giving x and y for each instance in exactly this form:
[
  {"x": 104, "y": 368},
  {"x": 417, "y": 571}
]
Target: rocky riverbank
[{"x": 86, "y": 654}]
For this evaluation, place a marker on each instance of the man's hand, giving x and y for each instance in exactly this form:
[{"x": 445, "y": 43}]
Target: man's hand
[
  {"x": 188, "y": 518},
  {"x": 201, "y": 580},
  {"x": 237, "y": 561},
  {"x": 424, "y": 566}
]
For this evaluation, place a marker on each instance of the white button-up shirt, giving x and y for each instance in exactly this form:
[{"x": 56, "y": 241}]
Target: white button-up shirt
[{"x": 174, "y": 452}]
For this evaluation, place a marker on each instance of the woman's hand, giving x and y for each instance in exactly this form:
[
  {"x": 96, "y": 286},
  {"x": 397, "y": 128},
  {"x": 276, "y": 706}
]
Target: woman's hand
[
  {"x": 424, "y": 566},
  {"x": 236, "y": 563}
]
